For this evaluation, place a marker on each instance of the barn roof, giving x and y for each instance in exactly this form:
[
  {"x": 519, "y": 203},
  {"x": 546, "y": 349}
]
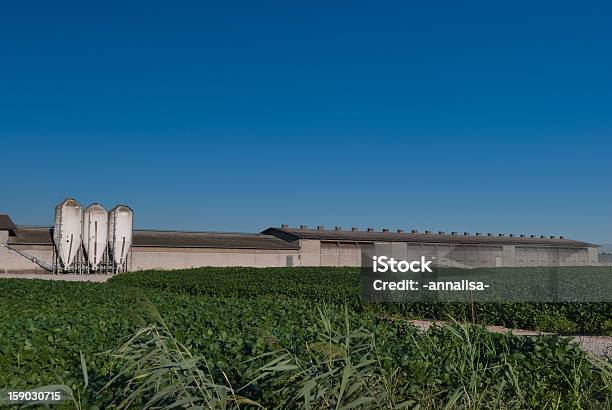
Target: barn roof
[
  {"x": 292, "y": 234},
  {"x": 168, "y": 239},
  {"x": 181, "y": 239},
  {"x": 6, "y": 224},
  {"x": 285, "y": 238},
  {"x": 32, "y": 235}
]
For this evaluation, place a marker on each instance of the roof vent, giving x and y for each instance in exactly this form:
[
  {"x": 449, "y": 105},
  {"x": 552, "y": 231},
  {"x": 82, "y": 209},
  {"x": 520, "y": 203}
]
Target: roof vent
[
  {"x": 477, "y": 233},
  {"x": 370, "y": 229},
  {"x": 337, "y": 228},
  {"x": 453, "y": 233},
  {"x": 427, "y": 231},
  {"x": 303, "y": 226},
  {"x": 414, "y": 231},
  {"x": 385, "y": 230},
  {"x": 320, "y": 227},
  {"x": 354, "y": 229},
  {"x": 284, "y": 226},
  {"x": 400, "y": 231}
]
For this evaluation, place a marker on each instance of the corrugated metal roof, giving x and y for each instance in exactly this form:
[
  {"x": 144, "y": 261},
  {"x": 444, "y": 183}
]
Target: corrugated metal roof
[
  {"x": 32, "y": 236},
  {"x": 169, "y": 239},
  {"x": 209, "y": 240},
  {"x": 377, "y": 236},
  {"x": 6, "y": 224},
  {"x": 271, "y": 238}
]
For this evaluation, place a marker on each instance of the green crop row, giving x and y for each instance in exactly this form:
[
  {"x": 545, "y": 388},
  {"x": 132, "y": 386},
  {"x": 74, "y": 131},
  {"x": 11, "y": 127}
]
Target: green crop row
[
  {"x": 45, "y": 326},
  {"x": 342, "y": 285},
  {"x": 338, "y": 284}
]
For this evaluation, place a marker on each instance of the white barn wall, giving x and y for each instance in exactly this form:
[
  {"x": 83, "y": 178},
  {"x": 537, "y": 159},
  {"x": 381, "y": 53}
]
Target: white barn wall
[
  {"x": 142, "y": 258},
  {"x": 349, "y": 254},
  {"x": 310, "y": 252},
  {"x": 592, "y": 256},
  {"x": 4, "y": 252},
  {"x": 15, "y": 262}
]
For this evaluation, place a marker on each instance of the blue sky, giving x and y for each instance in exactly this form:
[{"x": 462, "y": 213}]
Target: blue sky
[{"x": 239, "y": 116}]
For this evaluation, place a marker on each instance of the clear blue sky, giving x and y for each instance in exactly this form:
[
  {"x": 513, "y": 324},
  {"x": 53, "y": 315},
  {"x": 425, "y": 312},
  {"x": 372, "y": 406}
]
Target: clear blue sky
[{"x": 429, "y": 115}]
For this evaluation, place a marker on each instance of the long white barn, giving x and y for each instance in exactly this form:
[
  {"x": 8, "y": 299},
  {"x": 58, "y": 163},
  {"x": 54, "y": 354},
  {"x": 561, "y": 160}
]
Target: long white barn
[{"x": 31, "y": 249}]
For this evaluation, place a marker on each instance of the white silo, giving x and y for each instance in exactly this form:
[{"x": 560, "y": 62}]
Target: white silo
[
  {"x": 95, "y": 234},
  {"x": 120, "y": 222},
  {"x": 67, "y": 230}
]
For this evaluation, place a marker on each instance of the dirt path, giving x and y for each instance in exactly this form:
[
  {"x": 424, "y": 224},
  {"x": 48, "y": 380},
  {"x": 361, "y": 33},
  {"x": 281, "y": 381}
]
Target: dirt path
[{"x": 598, "y": 345}]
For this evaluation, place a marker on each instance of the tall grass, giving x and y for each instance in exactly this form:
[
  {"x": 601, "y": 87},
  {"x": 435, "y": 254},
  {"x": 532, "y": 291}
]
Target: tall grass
[
  {"x": 468, "y": 366},
  {"x": 341, "y": 370},
  {"x": 342, "y": 367},
  {"x": 155, "y": 370}
]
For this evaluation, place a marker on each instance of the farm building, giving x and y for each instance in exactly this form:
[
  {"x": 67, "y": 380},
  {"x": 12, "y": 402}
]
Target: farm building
[
  {"x": 32, "y": 249},
  {"x": 338, "y": 247}
]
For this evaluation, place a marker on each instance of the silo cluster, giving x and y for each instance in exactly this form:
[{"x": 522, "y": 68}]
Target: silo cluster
[{"x": 91, "y": 240}]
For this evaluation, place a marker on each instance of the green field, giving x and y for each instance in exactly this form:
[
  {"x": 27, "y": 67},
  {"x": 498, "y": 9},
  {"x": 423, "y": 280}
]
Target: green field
[{"x": 290, "y": 338}]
